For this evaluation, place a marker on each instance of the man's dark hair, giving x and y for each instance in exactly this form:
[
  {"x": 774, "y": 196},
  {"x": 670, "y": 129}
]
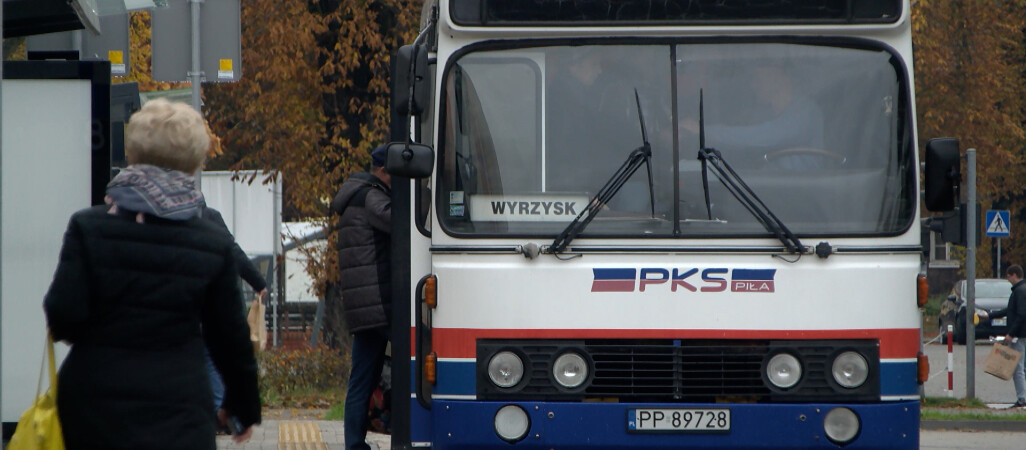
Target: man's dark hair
[{"x": 1014, "y": 270}]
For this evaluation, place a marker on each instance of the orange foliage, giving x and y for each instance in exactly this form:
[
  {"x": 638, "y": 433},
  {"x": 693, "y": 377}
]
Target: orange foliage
[{"x": 969, "y": 66}]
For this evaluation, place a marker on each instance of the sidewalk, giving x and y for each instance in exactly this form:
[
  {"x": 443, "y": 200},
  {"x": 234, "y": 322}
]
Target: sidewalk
[{"x": 299, "y": 430}]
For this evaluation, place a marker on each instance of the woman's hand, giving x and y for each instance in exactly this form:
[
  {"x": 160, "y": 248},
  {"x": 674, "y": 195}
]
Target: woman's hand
[
  {"x": 244, "y": 436},
  {"x": 222, "y": 417}
]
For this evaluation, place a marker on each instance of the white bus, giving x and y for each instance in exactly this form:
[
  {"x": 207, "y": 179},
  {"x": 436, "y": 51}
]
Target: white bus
[{"x": 658, "y": 224}]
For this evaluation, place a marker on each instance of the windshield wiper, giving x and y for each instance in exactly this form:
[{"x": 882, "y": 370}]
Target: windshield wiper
[
  {"x": 640, "y": 155},
  {"x": 739, "y": 189}
]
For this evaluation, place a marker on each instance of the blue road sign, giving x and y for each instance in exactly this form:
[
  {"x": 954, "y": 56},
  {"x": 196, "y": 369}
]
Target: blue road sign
[{"x": 998, "y": 224}]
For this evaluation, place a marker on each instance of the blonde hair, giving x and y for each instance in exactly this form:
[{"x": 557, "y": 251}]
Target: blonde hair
[{"x": 167, "y": 134}]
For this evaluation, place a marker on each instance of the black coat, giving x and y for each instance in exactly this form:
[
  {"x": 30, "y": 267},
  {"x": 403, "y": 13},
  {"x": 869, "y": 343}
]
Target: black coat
[
  {"x": 1016, "y": 310},
  {"x": 247, "y": 270},
  {"x": 364, "y": 205},
  {"x": 137, "y": 302}
]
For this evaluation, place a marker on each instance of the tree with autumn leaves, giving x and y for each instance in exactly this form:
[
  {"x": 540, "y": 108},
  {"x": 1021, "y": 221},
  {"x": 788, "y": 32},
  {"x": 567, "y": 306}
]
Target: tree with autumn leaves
[
  {"x": 971, "y": 85},
  {"x": 313, "y": 99}
]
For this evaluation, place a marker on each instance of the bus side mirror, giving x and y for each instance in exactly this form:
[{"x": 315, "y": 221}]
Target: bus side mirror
[
  {"x": 942, "y": 174},
  {"x": 416, "y": 55},
  {"x": 409, "y": 160}
]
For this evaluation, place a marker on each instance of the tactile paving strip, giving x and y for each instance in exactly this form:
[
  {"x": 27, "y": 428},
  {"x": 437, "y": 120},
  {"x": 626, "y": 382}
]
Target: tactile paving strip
[{"x": 300, "y": 435}]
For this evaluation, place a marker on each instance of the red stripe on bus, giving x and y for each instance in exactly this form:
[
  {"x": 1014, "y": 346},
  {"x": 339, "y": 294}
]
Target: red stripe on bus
[{"x": 461, "y": 342}]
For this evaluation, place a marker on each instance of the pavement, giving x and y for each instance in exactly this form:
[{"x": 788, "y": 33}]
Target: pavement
[
  {"x": 299, "y": 429},
  {"x": 998, "y": 395}
]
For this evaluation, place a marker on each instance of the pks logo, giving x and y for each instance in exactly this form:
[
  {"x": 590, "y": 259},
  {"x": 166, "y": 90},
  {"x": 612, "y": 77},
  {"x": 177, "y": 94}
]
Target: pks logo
[{"x": 710, "y": 280}]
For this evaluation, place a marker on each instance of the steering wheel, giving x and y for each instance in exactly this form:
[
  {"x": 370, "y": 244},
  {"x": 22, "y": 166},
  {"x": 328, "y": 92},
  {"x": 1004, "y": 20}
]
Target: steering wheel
[{"x": 799, "y": 158}]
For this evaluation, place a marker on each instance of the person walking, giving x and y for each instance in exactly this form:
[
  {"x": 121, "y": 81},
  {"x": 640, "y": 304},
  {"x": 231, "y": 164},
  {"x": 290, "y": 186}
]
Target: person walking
[
  {"x": 142, "y": 286},
  {"x": 1016, "y": 335},
  {"x": 252, "y": 276},
  {"x": 364, "y": 206}
]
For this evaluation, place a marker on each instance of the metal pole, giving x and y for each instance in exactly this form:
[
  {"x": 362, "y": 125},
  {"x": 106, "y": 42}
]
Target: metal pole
[
  {"x": 1, "y": 225},
  {"x": 970, "y": 271},
  {"x": 280, "y": 278},
  {"x": 997, "y": 264},
  {"x": 196, "y": 74},
  {"x": 951, "y": 361}
]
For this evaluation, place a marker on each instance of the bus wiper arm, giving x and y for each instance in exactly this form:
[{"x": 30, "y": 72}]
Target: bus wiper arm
[
  {"x": 738, "y": 188},
  {"x": 640, "y": 155}
]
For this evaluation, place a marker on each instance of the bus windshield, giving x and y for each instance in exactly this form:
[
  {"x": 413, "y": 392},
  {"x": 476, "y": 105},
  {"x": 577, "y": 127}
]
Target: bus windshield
[{"x": 820, "y": 133}]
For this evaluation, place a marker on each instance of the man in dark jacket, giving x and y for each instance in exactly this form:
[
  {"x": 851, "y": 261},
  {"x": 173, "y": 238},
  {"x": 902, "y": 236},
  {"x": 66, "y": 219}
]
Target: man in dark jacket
[
  {"x": 1016, "y": 337},
  {"x": 364, "y": 206}
]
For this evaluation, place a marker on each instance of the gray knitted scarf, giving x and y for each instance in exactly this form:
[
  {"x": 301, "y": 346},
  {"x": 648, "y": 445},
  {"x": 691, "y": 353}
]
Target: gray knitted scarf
[{"x": 168, "y": 194}]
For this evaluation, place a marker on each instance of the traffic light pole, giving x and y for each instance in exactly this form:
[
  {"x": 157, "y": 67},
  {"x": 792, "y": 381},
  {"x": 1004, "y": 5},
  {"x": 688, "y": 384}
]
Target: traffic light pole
[{"x": 970, "y": 275}]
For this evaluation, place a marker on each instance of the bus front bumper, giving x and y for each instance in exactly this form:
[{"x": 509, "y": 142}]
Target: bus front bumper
[{"x": 471, "y": 425}]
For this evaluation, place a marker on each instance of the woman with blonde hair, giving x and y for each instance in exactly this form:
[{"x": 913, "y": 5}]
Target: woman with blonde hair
[{"x": 143, "y": 283}]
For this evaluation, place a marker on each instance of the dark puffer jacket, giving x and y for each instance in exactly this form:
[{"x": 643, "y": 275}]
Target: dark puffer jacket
[
  {"x": 137, "y": 302},
  {"x": 1016, "y": 310},
  {"x": 364, "y": 205}
]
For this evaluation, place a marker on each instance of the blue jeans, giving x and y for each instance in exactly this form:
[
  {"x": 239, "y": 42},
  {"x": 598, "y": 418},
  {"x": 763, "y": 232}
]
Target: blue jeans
[
  {"x": 216, "y": 384},
  {"x": 368, "y": 358},
  {"x": 1019, "y": 375}
]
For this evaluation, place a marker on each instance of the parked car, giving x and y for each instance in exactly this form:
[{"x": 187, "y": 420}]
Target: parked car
[{"x": 991, "y": 294}]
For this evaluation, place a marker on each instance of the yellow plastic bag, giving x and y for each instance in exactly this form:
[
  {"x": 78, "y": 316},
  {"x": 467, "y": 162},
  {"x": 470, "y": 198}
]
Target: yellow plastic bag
[{"x": 39, "y": 427}]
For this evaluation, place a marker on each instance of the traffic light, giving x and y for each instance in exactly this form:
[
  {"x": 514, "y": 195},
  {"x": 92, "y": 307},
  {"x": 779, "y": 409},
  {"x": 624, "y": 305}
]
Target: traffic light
[
  {"x": 942, "y": 174},
  {"x": 952, "y": 225}
]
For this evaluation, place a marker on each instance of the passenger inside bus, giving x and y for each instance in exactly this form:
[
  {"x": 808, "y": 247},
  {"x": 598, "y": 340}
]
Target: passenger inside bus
[
  {"x": 779, "y": 127},
  {"x": 592, "y": 123}
]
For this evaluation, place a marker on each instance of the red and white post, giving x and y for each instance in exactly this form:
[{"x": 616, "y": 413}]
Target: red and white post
[{"x": 951, "y": 361}]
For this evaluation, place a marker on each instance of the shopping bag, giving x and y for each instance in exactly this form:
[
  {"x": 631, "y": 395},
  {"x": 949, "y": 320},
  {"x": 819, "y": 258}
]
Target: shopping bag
[
  {"x": 1001, "y": 361},
  {"x": 257, "y": 326},
  {"x": 39, "y": 427},
  {"x": 379, "y": 408}
]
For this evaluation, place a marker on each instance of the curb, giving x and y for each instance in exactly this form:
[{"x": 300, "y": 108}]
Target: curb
[{"x": 1015, "y": 426}]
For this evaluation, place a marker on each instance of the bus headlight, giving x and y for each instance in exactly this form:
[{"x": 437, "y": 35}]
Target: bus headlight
[
  {"x": 841, "y": 425},
  {"x": 850, "y": 369},
  {"x": 511, "y": 423},
  {"x": 505, "y": 369},
  {"x": 570, "y": 370},
  {"x": 784, "y": 370}
]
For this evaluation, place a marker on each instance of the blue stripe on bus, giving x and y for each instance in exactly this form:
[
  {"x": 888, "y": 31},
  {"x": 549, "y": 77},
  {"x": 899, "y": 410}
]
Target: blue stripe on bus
[
  {"x": 470, "y": 425},
  {"x": 615, "y": 274},
  {"x": 897, "y": 378},
  {"x": 754, "y": 274}
]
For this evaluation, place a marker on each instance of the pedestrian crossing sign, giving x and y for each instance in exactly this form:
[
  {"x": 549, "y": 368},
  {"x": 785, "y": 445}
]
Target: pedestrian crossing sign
[{"x": 998, "y": 223}]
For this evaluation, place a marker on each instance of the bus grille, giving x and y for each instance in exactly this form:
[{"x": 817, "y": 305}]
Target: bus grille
[
  {"x": 680, "y": 370},
  {"x": 676, "y": 370}
]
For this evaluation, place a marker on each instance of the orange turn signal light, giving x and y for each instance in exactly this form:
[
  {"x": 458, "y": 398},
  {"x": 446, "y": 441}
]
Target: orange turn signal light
[
  {"x": 922, "y": 290},
  {"x": 431, "y": 367},
  {"x": 431, "y": 291},
  {"x": 923, "y": 368}
]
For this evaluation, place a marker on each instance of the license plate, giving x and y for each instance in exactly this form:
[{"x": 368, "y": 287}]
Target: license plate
[
  {"x": 678, "y": 419},
  {"x": 999, "y": 322}
]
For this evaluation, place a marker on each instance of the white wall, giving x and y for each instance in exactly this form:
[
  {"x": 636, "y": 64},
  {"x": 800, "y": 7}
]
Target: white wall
[
  {"x": 46, "y": 175},
  {"x": 252, "y": 211}
]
